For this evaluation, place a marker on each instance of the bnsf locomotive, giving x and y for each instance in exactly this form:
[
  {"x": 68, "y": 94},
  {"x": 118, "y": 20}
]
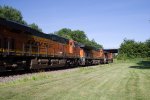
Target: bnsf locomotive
[{"x": 22, "y": 47}]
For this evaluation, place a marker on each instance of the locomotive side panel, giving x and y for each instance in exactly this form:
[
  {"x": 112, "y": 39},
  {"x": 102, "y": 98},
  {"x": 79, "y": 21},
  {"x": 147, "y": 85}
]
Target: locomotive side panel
[
  {"x": 77, "y": 52},
  {"x": 11, "y": 41}
]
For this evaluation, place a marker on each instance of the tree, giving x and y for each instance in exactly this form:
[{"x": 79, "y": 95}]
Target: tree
[
  {"x": 148, "y": 43},
  {"x": 95, "y": 44},
  {"x": 10, "y": 13},
  {"x": 133, "y": 49},
  {"x": 78, "y": 36},
  {"x": 148, "y": 47},
  {"x": 35, "y": 26},
  {"x": 65, "y": 32}
]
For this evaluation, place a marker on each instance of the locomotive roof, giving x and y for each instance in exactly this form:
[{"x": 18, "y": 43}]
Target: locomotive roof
[
  {"x": 28, "y": 30},
  {"x": 87, "y": 47},
  {"x": 111, "y": 50},
  {"x": 58, "y": 38}
]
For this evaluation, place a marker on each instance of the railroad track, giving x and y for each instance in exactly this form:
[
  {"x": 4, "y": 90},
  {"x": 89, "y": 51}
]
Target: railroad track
[{"x": 9, "y": 75}]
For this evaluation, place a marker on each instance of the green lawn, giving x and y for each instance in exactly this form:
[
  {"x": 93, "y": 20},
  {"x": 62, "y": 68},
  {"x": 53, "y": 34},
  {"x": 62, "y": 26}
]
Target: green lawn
[{"x": 117, "y": 81}]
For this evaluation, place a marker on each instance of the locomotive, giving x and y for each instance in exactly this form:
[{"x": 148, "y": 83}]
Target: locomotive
[{"x": 22, "y": 47}]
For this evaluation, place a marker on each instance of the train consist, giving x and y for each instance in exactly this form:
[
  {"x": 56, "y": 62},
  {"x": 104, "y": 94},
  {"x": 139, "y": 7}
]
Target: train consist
[{"x": 24, "y": 48}]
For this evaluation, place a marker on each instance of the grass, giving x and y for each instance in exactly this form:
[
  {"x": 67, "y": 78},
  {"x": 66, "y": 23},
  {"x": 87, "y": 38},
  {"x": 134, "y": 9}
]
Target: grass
[{"x": 129, "y": 80}]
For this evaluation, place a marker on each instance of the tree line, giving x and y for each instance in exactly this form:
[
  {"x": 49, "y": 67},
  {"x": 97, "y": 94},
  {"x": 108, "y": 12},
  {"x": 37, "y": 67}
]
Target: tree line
[
  {"x": 130, "y": 49},
  {"x": 13, "y": 14}
]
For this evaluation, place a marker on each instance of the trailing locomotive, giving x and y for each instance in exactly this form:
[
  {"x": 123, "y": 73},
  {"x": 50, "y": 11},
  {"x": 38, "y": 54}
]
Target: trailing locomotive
[{"x": 24, "y": 48}]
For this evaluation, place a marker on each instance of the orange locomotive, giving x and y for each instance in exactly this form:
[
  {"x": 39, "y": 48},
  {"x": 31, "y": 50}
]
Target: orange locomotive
[{"x": 24, "y": 48}]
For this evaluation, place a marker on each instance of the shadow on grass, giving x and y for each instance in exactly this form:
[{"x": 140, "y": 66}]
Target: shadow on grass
[{"x": 142, "y": 65}]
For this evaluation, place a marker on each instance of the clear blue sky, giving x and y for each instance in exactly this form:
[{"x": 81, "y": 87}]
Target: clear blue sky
[{"x": 107, "y": 21}]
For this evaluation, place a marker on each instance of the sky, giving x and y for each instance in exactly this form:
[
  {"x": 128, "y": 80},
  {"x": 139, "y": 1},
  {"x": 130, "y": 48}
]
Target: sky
[{"x": 108, "y": 22}]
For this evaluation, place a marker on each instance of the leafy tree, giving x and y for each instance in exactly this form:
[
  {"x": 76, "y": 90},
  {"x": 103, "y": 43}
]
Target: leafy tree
[
  {"x": 127, "y": 48},
  {"x": 35, "y": 26},
  {"x": 78, "y": 36},
  {"x": 148, "y": 47},
  {"x": 148, "y": 43},
  {"x": 65, "y": 32},
  {"x": 95, "y": 44},
  {"x": 133, "y": 49},
  {"x": 10, "y": 13}
]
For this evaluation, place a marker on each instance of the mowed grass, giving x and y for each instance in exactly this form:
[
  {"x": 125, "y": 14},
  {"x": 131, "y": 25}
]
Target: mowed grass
[{"x": 117, "y": 81}]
